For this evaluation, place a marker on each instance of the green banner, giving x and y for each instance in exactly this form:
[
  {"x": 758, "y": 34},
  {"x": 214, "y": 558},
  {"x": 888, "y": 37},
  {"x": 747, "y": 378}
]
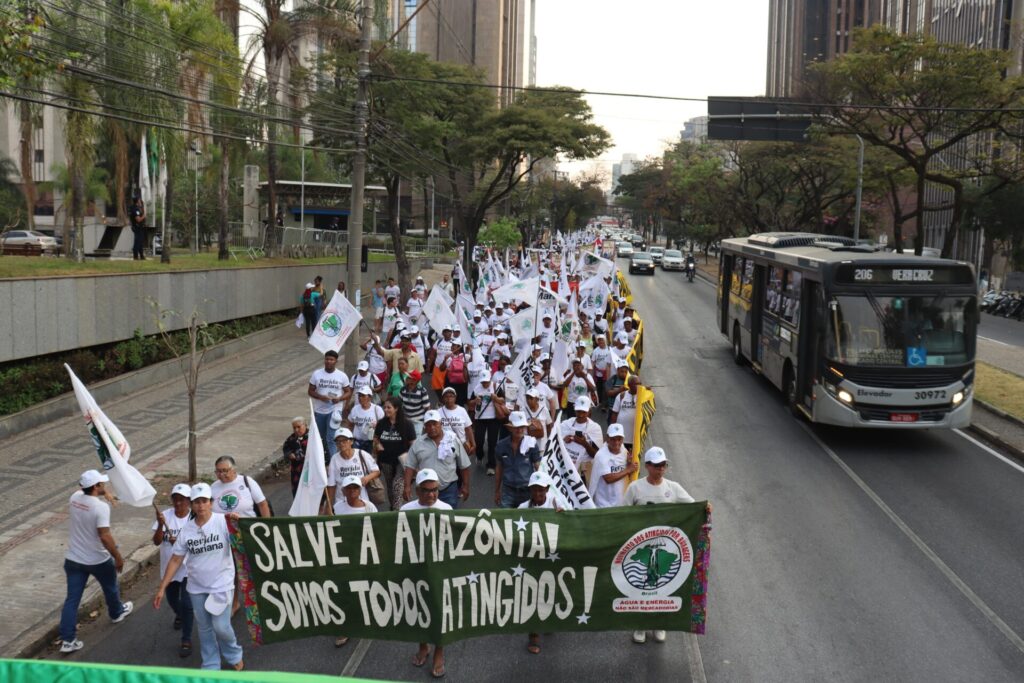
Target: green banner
[
  {"x": 36, "y": 671},
  {"x": 438, "y": 577}
]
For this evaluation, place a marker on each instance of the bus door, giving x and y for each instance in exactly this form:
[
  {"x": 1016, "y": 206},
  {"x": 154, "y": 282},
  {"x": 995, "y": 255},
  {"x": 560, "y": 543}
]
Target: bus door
[
  {"x": 724, "y": 284},
  {"x": 812, "y": 339},
  {"x": 756, "y": 316}
]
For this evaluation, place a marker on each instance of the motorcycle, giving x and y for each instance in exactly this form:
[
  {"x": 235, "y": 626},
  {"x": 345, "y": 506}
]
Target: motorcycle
[
  {"x": 691, "y": 270},
  {"x": 991, "y": 300},
  {"x": 1013, "y": 310}
]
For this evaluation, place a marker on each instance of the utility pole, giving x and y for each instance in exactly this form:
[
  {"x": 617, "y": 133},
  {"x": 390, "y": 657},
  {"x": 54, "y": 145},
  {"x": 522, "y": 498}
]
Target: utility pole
[{"x": 355, "y": 219}]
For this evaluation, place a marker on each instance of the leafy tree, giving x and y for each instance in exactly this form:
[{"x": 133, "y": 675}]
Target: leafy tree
[
  {"x": 501, "y": 233},
  {"x": 924, "y": 102}
]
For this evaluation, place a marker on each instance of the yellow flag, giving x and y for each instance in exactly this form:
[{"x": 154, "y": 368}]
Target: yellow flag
[{"x": 642, "y": 423}]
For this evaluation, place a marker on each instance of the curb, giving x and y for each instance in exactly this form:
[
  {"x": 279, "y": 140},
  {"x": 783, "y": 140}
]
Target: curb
[
  {"x": 38, "y": 638},
  {"x": 999, "y": 413},
  {"x": 993, "y": 438}
]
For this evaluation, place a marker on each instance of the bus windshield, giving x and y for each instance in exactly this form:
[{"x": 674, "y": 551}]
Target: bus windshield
[{"x": 904, "y": 331}]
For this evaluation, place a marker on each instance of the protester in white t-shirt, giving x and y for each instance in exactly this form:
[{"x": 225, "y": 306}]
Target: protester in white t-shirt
[
  {"x": 349, "y": 461},
  {"x": 624, "y": 409},
  {"x": 206, "y": 541},
  {"x": 233, "y": 492},
  {"x": 652, "y": 490},
  {"x": 609, "y": 475},
  {"x": 582, "y": 436},
  {"x": 166, "y": 528},
  {"x": 351, "y": 502},
  {"x": 91, "y": 552},
  {"x": 541, "y": 496},
  {"x": 363, "y": 418},
  {"x": 329, "y": 388},
  {"x": 365, "y": 377},
  {"x": 455, "y": 419}
]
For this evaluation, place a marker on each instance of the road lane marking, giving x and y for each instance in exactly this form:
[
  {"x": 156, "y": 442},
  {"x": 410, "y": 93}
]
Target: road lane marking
[
  {"x": 990, "y": 451},
  {"x": 697, "y": 674},
  {"x": 358, "y": 652},
  {"x": 994, "y": 341},
  {"x": 925, "y": 549}
]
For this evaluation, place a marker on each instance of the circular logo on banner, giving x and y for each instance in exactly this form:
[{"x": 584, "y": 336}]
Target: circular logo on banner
[
  {"x": 651, "y": 566},
  {"x": 330, "y": 325}
]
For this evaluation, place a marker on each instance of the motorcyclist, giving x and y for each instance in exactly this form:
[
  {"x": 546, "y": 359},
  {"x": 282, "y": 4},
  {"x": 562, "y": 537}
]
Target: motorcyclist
[{"x": 691, "y": 266}]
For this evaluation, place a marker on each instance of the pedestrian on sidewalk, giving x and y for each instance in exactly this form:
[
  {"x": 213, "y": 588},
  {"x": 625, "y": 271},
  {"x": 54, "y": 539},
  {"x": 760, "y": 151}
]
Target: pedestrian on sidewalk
[
  {"x": 91, "y": 552},
  {"x": 319, "y": 298},
  {"x": 166, "y": 528},
  {"x": 205, "y": 541},
  {"x": 307, "y": 310},
  {"x": 294, "y": 449}
]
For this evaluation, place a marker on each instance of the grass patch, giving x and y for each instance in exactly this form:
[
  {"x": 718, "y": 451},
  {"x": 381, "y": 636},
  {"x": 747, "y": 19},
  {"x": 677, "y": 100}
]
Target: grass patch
[
  {"x": 1000, "y": 388},
  {"x": 49, "y": 266}
]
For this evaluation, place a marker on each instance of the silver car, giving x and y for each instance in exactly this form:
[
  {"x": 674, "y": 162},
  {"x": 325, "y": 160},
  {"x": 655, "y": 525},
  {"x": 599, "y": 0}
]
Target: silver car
[
  {"x": 33, "y": 238},
  {"x": 673, "y": 259},
  {"x": 624, "y": 249}
]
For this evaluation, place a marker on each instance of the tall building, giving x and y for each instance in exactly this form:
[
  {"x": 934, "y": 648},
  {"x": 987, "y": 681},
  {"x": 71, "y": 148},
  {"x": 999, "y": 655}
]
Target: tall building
[{"x": 695, "y": 129}]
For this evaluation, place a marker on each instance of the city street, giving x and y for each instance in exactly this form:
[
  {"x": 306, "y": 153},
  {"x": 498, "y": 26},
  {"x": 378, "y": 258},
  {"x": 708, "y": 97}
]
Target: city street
[{"x": 837, "y": 555}]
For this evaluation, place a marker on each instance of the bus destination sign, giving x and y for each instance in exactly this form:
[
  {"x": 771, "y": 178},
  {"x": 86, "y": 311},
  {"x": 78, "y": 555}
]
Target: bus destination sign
[{"x": 878, "y": 274}]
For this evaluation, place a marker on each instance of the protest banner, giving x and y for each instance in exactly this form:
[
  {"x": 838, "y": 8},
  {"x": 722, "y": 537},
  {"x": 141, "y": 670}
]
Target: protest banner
[
  {"x": 441, "y": 576},
  {"x": 566, "y": 480},
  {"x": 438, "y": 310},
  {"x": 645, "y": 409},
  {"x": 35, "y": 671},
  {"x": 129, "y": 485},
  {"x": 624, "y": 290},
  {"x": 336, "y": 323}
]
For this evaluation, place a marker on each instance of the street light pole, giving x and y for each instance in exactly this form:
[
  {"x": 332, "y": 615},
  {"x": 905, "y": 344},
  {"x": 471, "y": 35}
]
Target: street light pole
[
  {"x": 860, "y": 187},
  {"x": 195, "y": 158},
  {"x": 355, "y": 222}
]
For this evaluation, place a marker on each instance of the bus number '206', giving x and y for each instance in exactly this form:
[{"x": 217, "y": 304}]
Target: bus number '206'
[{"x": 930, "y": 394}]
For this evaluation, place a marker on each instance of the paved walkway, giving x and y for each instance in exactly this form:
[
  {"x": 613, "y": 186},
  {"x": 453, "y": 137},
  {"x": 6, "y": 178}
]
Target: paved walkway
[{"x": 245, "y": 406}]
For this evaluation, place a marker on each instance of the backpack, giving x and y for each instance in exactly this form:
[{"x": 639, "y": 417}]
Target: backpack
[
  {"x": 307, "y": 297},
  {"x": 457, "y": 369}
]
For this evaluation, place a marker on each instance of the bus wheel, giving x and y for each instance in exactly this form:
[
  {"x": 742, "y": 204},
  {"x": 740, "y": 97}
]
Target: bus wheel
[
  {"x": 789, "y": 389},
  {"x": 737, "y": 350}
]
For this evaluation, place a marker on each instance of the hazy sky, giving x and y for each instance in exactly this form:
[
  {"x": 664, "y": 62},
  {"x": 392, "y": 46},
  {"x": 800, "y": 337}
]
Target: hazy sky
[{"x": 682, "y": 48}]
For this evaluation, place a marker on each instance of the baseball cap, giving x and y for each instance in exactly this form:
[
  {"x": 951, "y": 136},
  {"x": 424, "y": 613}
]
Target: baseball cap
[
  {"x": 431, "y": 416},
  {"x": 364, "y": 391},
  {"x": 335, "y": 422},
  {"x": 532, "y": 392},
  {"x": 344, "y": 432},
  {"x": 447, "y": 328},
  {"x": 537, "y": 347},
  {"x": 539, "y": 478},
  {"x": 447, "y": 389},
  {"x": 486, "y": 377},
  {"x": 352, "y": 480},
  {"x": 655, "y": 455},
  {"x": 414, "y": 330},
  {"x": 581, "y": 344},
  {"x": 91, "y": 478},
  {"x": 547, "y": 315},
  {"x": 399, "y": 326},
  {"x": 477, "y": 313},
  {"x": 201, "y": 491},
  {"x": 582, "y": 403},
  {"x": 426, "y": 475},
  {"x": 502, "y": 335},
  {"x": 415, "y": 375},
  {"x": 182, "y": 490},
  {"x": 622, "y": 337},
  {"x": 517, "y": 419},
  {"x": 538, "y": 368},
  {"x": 363, "y": 365},
  {"x": 615, "y": 429},
  {"x": 309, "y": 285}
]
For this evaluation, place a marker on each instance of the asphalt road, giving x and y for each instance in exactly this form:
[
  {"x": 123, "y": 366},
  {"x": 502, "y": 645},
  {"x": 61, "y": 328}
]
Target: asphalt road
[
  {"x": 1000, "y": 329},
  {"x": 837, "y": 555}
]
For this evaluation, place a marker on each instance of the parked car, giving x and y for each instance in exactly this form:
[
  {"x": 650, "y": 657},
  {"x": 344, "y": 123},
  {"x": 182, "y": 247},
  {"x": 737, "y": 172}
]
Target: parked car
[
  {"x": 29, "y": 238},
  {"x": 158, "y": 245},
  {"x": 656, "y": 253},
  {"x": 624, "y": 249},
  {"x": 641, "y": 262},
  {"x": 673, "y": 259}
]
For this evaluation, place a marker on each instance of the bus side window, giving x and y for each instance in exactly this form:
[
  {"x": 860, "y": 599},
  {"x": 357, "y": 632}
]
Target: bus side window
[
  {"x": 748, "y": 280},
  {"x": 773, "y": 292},
  {"x": 791, "y": 298},
  {"x": 737, "y": 275}
]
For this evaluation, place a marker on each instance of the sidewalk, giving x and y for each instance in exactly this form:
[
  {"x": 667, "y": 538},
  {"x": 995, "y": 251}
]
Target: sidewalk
[{"x": 245, "y": 407}]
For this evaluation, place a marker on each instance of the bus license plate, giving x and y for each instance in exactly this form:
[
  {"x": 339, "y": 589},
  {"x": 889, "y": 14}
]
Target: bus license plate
[{"x": 903, "y": 417}]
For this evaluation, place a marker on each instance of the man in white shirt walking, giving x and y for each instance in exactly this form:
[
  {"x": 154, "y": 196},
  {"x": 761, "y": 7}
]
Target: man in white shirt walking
[{"x": 91, "y": 552}]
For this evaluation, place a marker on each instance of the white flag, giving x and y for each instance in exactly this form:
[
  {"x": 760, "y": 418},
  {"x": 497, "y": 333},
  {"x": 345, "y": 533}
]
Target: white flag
[
  {"x": 592, "y": 264},
  {"x": 113, "y": 449},
  {"x": 336, "y": 323},
  {"x": 523, "y": 325},
  {"x": 444, "y": 295},
  {"x": 438, "y": 311},
  {"x": 567, "y": 483},
  {"x": 521, "y": 370},
  {"x": 465, "y": 324},
  {"x": 522, "y": 290},
  {"x": 145, "y": 184},
  {"x": 314, "y": 476},
  {"x": 465, "y": 286}
]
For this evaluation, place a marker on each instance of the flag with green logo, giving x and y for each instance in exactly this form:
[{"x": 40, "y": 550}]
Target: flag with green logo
[{"x": 441, "y": 576}]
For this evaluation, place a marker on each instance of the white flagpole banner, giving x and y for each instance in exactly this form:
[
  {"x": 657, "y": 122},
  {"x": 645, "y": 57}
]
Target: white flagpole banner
[
  {"x": 113, "y": 450},
  {"x": 521, "y": 370},
  {"x": 314, "y": 476},
  {"x": 465, "y": 324},
  {"x": 444, "y": 295},
  {"x": 337, "y": 322},
  {"x": 522, "y": 325},
  {"x": 596, "y": 265},
  {"x": 523, "y": 290},
  {"x": 145, "y": 184},
  {"x": 566, "y": 481},
  {"x": 437, "y": 311}
]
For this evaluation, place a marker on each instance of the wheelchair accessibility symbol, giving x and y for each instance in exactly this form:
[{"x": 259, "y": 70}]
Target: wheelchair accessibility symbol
[{"x": 916, "y": 356}]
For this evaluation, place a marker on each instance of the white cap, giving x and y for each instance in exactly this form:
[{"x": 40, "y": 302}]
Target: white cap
[
  {"x": 581, "y": 344},
  {"x": 544, "y": 357},
  {"x": 447, "y": 328},
  {"x": 582, "y": 403},
  {"x": 517, "y": 419},
  {"x": 532, "y": 392},
  {"x": 486, "y": 377},
  {"x": 539, "y": 478},
  {"x": 426, "y": 475},
  {"x": 537, "y": 347},
  {"x": 399, "y": 326},
  {"x": 91, "y": 478},
  {"x": 335, "y": 422},
  {"x": 547, "y": 314},
  {"x": 622, "y": 337},
  {"x": 364, "y": 391},
  {"x": 538, "y": 368},
  {"x": 182, "y": 490},
  {"x": 655, "y": 455},
  {"x": 619, "y": 363},
  {"x": 414, "y": 330},
  {"x": 343, "y": 432},
  {"x": 363, "y": 365},
  {"x": 502, "y": 335},
  {"x": 477, "y": 313},
  {"x": 201, "y": 490},
  {"x": 615, "y": 429},
  {"x": 352, "y": 480},
  {"x": 447, "y": 389},
  {"x": 309, "y": 285},
  {"x": 431, "y": 416}
]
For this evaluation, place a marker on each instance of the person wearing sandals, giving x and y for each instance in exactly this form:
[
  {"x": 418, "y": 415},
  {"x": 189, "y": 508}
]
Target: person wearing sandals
[
  {"x": 351, "y": 504},
  {"x": 211, "y": 578},
  {"x": 428, "y": 489},
  {"x": 165, "y": 532}
]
